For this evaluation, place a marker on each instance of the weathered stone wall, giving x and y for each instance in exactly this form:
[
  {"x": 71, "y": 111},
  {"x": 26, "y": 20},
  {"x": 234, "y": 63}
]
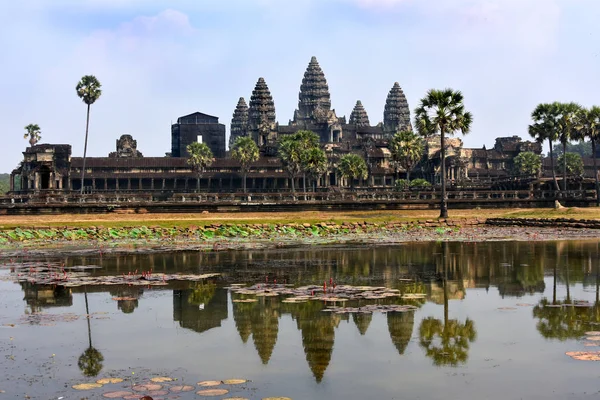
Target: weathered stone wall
[{"x": 545, "y": 222}]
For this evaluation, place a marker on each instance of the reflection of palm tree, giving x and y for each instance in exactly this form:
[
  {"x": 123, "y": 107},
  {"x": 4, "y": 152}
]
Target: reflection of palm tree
[
  {"x": 447, "y": 342},
  {"x": 400, "y": 326},
  {"x": 90, "y": 362}
]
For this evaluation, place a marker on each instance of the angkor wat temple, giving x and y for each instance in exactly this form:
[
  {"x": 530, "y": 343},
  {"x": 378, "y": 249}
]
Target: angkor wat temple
[{"x": 51, "y": 166}]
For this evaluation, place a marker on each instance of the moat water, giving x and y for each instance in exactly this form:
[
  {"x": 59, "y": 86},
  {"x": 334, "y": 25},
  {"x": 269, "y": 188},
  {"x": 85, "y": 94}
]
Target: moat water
[{"x": 494, "y": 322}]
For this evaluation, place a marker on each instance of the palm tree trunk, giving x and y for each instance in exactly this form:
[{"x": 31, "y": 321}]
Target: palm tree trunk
[
  {"x": 552, "y": 166},
  {"x": 445, "y": 266},
  {"x": 87, "y": 125},
  {"x": 408, "y": 176},
  {"x": 198, "y": 183},
  {"x": 596, "y": 173},
  {"x": 554, "y": 284},
  {"x": 565, "y": 166},
  {"x": 244, "y": 176},
  {"x": 87, "y": 311},
  {"x": 444, "y": 203},
  {"x": 293, "y": 184}
]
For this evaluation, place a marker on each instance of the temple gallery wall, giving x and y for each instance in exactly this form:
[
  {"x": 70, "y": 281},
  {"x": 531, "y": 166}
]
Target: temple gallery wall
[{"x": 52, "y": 167}]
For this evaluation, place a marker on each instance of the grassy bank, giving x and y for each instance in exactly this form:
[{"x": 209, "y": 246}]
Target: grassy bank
[{"x": 310, "y": 217}]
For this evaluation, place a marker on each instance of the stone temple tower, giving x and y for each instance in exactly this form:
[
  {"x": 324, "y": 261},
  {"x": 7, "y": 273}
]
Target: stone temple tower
[
  {"x": 396, "y": 116},
  {"x": 261, "y": 115},
  {"x": 239, "y": 122},
  {"x": 314, "y": 103},
  {"x": 359, "y": 115}
]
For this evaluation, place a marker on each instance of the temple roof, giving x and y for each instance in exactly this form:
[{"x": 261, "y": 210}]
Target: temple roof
[
  {"x": 262, "y": 106},
  {"x": 239, "y": 122},
  {"x": 359, "y": 115},
  {"x": 314, "y": 92},
  {"x": 396, "y": 115}
]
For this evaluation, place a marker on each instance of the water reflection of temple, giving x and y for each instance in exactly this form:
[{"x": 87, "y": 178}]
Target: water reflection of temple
[
  {"x": 201, "y": 308},
  {"x": 38, "y": 297}
]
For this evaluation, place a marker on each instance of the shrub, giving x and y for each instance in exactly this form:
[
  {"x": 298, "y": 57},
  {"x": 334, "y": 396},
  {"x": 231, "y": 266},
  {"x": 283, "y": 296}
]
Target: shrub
[
  {"x": 420, "y": 183},
  {"x": 401, "y": 184}
]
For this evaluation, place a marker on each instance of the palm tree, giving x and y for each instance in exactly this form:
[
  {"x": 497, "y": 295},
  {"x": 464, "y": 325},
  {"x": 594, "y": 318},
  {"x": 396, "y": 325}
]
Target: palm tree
[
  {"x": 407, "y": 150},
  {"x": 88, "y": 90},
  {"x": 290, "y": 153},
  {"x": 589, "y": 127},
  {"x": 353, "y": 166},
  {"x": 567, "y": 129},
  {"x": 245, "y": 151},
  {"x": 308, "y": 141},
  {"x": 33, "y": 132},
  {"x": 314, "y": 163},
  {"x": 442, "y": 111},
  {"x": 200, "y": 158},
  {"x": 544, "y": 127}
]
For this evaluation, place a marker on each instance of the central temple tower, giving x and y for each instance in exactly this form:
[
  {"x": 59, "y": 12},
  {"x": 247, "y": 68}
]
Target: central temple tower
[{"x": 314, "y": 102}]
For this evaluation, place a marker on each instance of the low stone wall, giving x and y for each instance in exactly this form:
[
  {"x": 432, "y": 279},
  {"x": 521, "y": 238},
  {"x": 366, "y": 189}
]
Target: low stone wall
[{"x": 545, "y": 222}]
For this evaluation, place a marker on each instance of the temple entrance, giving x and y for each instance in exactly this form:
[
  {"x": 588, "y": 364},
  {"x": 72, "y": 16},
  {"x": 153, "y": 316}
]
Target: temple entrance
[{"x": 44, "y": 178}]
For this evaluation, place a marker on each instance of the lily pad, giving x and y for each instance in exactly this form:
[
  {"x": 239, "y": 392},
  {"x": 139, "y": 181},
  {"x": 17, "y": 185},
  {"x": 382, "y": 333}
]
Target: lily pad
[
  {"x": 212, "y": 392},
  {"x": 593, "y": 338},
  {"x": 147, "y": 387},
  {"x": 209, "y": 383},
  {"x": 117, "y": 395},
  {"x": 234, "y": 381},
  {"x": 87, "y": 386},
  {"x": 584, "y": 355},
  {"x": 276, "y": 398},
  {"x": 161, "y": 379},
  {"x": 245, "y": 301},
  {"x": 592, "y": 333},
  {"x": 105, "y": 381}
]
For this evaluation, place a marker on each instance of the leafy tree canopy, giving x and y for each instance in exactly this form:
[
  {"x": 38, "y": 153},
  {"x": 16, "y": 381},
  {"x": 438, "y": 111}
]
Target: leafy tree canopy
[
  {"x": 574, "y": 163},
  {"x": 528, "y": 163}
]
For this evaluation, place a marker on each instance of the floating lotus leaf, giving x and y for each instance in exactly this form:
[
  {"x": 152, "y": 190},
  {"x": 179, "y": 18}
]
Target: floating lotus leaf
[
  {"x": 160, "y": 379},
  {"x": 147, "y": 387},
  {"x": 134, "y": 397},
  {"x": 584, "y": 355},
  {"x": 212, "y": 392},
  {"x": 593, "y": 338},
  {"x": 236, "y": 398},
  {"x": 245, "y": 301},
  {"x": 179, "y": 389},
  {"x": 276, "y": 398},
  {"x": 117, "y": 395},
  {"x": 87, "y": 386},
  {"x": 234, "y": 381},
  {"x": 124, "y": 298},
  {"x": 525, "y": 305},
  {"x": 105, "y": 381},
  {"x": 209, "y": 383},
  {"x": 506, "y": 308},
  {"x": 591, "y": 344},
  {"x": 592, "y": 333},
  {"x": 157, "y": 392}
]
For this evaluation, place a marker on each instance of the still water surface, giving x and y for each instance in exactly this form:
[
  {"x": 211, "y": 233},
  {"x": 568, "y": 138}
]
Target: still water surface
[{"x": 484, "y": 330}]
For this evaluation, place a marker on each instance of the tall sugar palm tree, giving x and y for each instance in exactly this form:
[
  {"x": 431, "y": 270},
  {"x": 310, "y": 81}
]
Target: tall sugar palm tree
[
  {"x": 33, "y": 132},
  {"x": 353, "y": 166},
  {"x": 407, "y": 150},
  {"x": 308, "y": 141},
  {"x": 314, "y": 163},
  {"x": 567, "y": 129},
  {"x": 245, "y": 151},
  {"x": 544, "y": 127},
  {"x": 201, "y": 157},
  {"x": 443, "y": 112},
  {"x": 290, "y": 153},
  {"x": 88, "y": 90},
  {"x": 589, "y": 128}
]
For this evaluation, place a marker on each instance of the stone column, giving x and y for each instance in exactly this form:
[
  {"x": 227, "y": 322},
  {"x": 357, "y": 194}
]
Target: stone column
[
  {"x": 36, "y": 182},
  {"x": 152, "y": 183},
  {"x": 128, "y": 183},
  {"x": 140, "y": 184},
  {"x": 12, "y": 182},
  {"x": 163, "y": 184},
  {"x": 93, "y": 183},
  {"x": 51, "y": 180},
  {"x": 220, "y": 183},
  {"x": 264, "y": 186},
  {"x": 185, "y": 185},
  {"x": 209, "y": 183},
  {"x": 116, "y": 183}
]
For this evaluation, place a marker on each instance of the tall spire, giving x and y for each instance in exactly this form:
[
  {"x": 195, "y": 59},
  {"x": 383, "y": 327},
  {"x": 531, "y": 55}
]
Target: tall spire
[
  {"x": 239, "y": 122},
  {"x": 396, "y": 115},
  {"x": 261, "y": 113},
  {"x": 314, "y": 98},
  {"x": 359, "y": 115}
]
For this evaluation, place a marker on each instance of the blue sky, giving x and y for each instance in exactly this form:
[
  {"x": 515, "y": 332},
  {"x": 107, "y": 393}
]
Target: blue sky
[{"x": 163, "y": 59}]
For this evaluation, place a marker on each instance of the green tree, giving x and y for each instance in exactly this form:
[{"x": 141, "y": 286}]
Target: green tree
[
  {"x": 245, "y": 151},
  {"x": 442, "y": 111},
  {"x": 447, "y": 342},
  {"x": 572, "y": 163},
  {"x": 4, "y": 183},
  {"x": 589, "y": 128},
  {"x": 201, "y": 157},
  {"x": 308, "y": 141},
  {"x": 290, "y": 153},
  {"x": 314, "y": 163},
  {"x": 567, "y": 130},
  {"x": 544, "y": 127},
  {"x": 353, "y": 166},
  {"x": 33, "y": 132},
  {"x": 528, "y": 163},
  {"x": 407, "y": 149},
  {"x": 88, "y": 90},
  {"x": 584, "y": 149}
]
